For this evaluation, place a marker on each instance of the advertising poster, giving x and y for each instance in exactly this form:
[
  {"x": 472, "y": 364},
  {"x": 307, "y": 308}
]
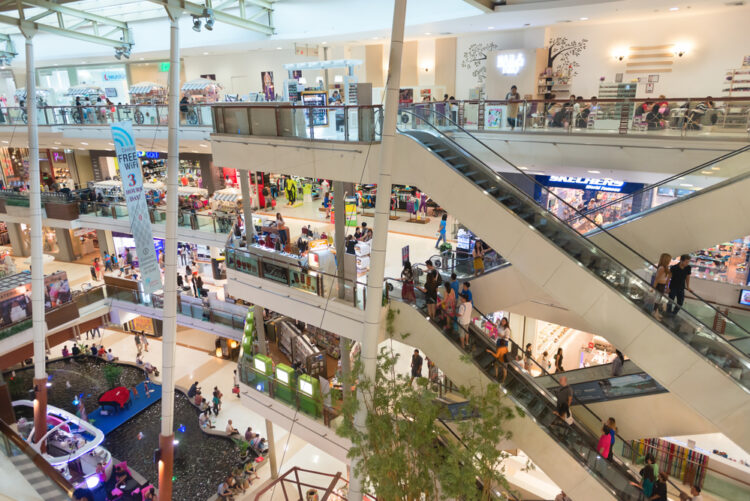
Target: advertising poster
[
  {"x": 56, "y": 290},
  {"x": 132, "y": 189},
  {"x": 405, "y": 96},
  {"x": 15, "y": 305},
  {"x": 268, "y": 90},
  {"x": 316, "y": 98},
  {"x": 296, "y": 74},
  {"x": 351, "y": 215},
  {"x": 493, "y": 117}
]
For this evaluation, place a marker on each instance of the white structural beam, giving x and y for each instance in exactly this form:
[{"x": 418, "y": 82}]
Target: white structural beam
[{"x": 221, "y": 16}]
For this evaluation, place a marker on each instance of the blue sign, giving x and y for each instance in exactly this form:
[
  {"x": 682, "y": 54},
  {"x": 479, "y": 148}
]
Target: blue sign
[
  {"x": 153, "y": 155},
  {"x": 589, "y": 183}
]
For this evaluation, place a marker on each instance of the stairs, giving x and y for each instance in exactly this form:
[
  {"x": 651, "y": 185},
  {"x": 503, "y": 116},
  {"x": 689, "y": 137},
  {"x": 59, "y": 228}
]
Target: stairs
[{"x": 41, "y": 484}]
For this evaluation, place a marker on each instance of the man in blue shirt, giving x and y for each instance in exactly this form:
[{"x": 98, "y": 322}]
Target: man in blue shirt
[
  {"x": 454, "y": 283},
  {"x": 465, "y": 290}
]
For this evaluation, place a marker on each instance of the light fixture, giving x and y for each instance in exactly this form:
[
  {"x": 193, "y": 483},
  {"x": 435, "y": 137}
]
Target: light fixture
[
  {"x": 620, "y": 53},
  {"x": 203, "y": 145},
  {"x": 205, "y": 53},
  {"x": 674, "y": 9},
  {"x": 323, "y": 43},
  {"x": 279, "y": 48},
  {"x": 210, "y": 24},
  {"x": 594, "y": 172},
  {"x": 584, "y": 19},
  {"x": 428, "y": 33},
  {"x": 680, "y": 49},
  {"x": 122, "y": 51},
  {"x": 524, "y": 168},
  {"x": 686, "y": 185},
  {"x": 197, "y": 24},
  {"x": 338, "y": 79},
  {"x": 490, "y": 27},
  {"x": 141, "y": 58}
]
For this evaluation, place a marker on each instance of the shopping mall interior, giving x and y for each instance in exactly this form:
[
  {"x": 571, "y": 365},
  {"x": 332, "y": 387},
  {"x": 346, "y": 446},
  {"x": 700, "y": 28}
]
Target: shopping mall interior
[{"x": 396, "y": 250}]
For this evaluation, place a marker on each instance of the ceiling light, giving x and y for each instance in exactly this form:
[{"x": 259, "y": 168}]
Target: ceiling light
[
  {"x": 584, "y": 19},
  {"x": 428, "y": 33},
  {"x": 323, "y": 43},
  {"x": 58, "y": 142},
  {"x": 196, "y": 24},
  {"x": 111, "y": 144},
  {"x": 6, "y": 142},
  {"x": 706, "y": 172},
  {"x": 375, "y": 38},
  {"x": 490, "y": 27},
  {"x": 686, "y": 185},
  {"x": 204, "y": 145},
  {"x": 279, "y": 48},
  {"x": 524, "y": 168},
  {"x": 715, "y": 168},
  {"x": 141, "y": 58},
  {"x": 674, "y": 9},
  {"x": 210, "y": 23},
  {"x": 85, "y": 144},
  {"x": 205, "y": 53},
  {"x": 594, "y": 172}
]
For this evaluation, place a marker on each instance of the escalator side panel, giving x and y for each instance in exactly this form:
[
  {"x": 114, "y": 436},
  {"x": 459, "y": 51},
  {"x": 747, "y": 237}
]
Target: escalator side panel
[{"x": 655, "y": 349}]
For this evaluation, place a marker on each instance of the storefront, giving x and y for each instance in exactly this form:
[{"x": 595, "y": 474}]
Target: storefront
[
  {"x": 580, "y": 349},
  {"x": 573, "y": 194},
  {"x": 726, "y": 262},
  {"x": 15, "y": 167}
]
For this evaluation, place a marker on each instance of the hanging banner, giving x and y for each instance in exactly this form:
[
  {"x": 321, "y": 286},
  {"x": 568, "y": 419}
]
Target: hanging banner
[{"x": 132, "y": 189}]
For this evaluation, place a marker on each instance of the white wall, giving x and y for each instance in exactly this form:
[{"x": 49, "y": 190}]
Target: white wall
[{"x": 719, "y": 42}]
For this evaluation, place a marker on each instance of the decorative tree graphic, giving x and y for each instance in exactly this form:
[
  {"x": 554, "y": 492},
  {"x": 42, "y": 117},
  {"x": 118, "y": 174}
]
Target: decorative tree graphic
[
  {"x": 563, "y": 52},
  {"x": 475, "y": 57}
]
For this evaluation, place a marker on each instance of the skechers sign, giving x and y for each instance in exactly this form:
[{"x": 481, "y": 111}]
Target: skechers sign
[
  {"x": 510, "y": 64},
  {"x": 589, "y": 183}
]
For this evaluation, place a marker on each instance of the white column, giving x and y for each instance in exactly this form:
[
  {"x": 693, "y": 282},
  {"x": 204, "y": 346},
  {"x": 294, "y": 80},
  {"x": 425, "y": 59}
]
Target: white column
[
  {"x": 375, "y": 277},
  {"x": 35, "y": 222},
  {"x": 170, "y": 244}
]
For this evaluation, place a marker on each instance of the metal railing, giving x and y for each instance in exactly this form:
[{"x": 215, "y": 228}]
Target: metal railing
[{"x": 98, "y": 114}]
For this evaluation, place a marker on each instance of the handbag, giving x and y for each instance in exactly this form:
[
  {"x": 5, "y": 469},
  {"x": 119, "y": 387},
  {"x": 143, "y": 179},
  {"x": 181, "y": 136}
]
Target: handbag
[{"x": 236, "y": 390}]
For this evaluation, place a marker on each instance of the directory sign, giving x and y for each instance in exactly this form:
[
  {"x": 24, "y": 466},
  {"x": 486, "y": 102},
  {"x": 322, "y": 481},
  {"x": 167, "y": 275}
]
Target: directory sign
[{"x": 132, "y": 189}]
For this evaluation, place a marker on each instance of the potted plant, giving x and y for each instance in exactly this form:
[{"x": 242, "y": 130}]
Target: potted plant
[{"x": 244, "y": 447}]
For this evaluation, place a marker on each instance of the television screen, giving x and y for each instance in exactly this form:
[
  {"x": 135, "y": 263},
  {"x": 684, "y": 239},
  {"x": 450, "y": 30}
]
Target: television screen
[
  {"x": 282, "y": 376},
  {"x": 260, "y": 365},
  {"x": 665, "y": 192},
  {"x": 745, "y": 297},
  {"x": 305, "y": 387},
  {"x": 682, "y": 193}
]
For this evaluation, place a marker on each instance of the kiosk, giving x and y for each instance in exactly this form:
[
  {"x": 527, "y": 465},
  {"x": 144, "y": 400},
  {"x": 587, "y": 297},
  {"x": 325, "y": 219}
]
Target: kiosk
[
  {"x": 309, "y": 395},
  {"x": 286, "y": 380}
]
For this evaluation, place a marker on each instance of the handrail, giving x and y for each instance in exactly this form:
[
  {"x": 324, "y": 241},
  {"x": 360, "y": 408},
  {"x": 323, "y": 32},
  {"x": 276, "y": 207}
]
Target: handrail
[
  {"x": 645, "y": 261},
  {"x": 668, "y": 180},
  {"x": 41, "y": 463}
]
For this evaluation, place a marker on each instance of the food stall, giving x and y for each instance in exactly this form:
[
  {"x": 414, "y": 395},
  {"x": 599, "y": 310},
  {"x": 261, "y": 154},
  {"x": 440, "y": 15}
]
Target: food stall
[
  {"x": 45, "y": 97},
  {"x": 90, "y": 111},
  {"x": 200, "y": 91},
  {"x": 146, "y": 96}
]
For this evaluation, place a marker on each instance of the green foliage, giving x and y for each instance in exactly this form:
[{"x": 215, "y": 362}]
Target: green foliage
[
  {"x": 15, "y": 329},
  {"x": 396, "y": 448},
  {"x": 242, "y": 445},
  {"x": 112, "y": 374}
]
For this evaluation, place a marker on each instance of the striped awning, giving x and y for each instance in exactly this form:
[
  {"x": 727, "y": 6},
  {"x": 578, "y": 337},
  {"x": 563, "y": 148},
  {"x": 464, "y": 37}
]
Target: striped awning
[
  {"x": 146, "y": 88},
  {"x": 199, "y": 84},
  {"x": 21, "y": 93},
  {"x": 84, "y": 90},
  {"x": 227, "y": 195}
]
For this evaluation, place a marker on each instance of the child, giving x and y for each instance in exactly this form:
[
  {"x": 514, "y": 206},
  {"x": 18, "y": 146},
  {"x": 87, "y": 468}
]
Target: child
[{"x": 135, "y": 391}]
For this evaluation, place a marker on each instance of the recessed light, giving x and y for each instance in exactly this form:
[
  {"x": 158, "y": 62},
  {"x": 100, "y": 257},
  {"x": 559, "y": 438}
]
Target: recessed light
[
  {"x": 375, "y": 38},
  {"x": 428, "y": 33},
  {"x": 205, "y": 53},
  {"x": 584, "y": 19},
  {"x": 82, "y": 149},
  {"x": 85, "y": 144},
  {"x": 706, "y": 172},
  {"x": 686, "y": 185},
  {"x": 141, "y": 58},
  {"x": 715, "y": 168},
  {"x": 594, "y": 172},
  {"x": 6, "y": 142},
  {"x": 674, "y": 8},
  {"x": 194, "y": 151},
  {"x": 323, "y": 43},
  {"x": 58, "y": 142},
  {"x": 490, "y": 27},
  {"x": 204, "y": 146},
  {"x": 279, "y": 48},
  {"x": 111, "y": 144},
  {"x": 524, "y": 168},
  {"x": 83, "y": 62}
]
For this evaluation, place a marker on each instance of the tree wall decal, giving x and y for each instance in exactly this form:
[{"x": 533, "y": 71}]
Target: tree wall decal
[
  {"x": 562, "y": 52},
  {"x": 474, "y": 59}
]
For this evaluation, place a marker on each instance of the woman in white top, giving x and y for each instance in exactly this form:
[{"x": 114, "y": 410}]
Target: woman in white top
[
  {"x": 660, "y": 281},
  {"x": 504, "y": 331}
]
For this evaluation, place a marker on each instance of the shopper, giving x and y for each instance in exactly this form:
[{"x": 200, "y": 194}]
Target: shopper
[
  {"x": 216, "y": 400},
  {"x": 605, "y": 442},
  {"x": 97, "y": 268},
  {"x": 559, "y": 361},
  {"x": 661, "y": 279},
  {"x": 407, "y": 284},
  {"x": 138, "y": 347},
  {"x": 617, "y": 363},
  {"x": 648, "y": 480},
  {"x": 351, "y": 244},
  {"x": 612, "y": 426},
  {"x": 441, "y": 230},
  {"x": 500, "y": 357},
  {"x": 193, "y": 390},
  {"x": 231, "y": 430},
  {"x": 504, "y": 332},
  {"x": 416, "y": 366},
  {"x": 107, "y": 262},
  {"x": 431, "y": 291},
  {"x": 562, "y": 497},
  {"x": 464, "y": 317},
  {"x": 564, "y": 400},
  {"x": 527, "y": 358},
  {"x": 512, "y": 97},
  {"x": 478, "y": 256},
  {"x": 660, "y": 487},
  {"x": 678, "y": 282},
  {"x": 545, "y": 362},
  {"x": 454, "y": 283},
  {"x": 448, "y": 306},
  {"x": 144, "y": 339},
  {"x": 695, "y": 494},
  {"x": 236, "y": 381},
  {"x": 465, "y": 289}
]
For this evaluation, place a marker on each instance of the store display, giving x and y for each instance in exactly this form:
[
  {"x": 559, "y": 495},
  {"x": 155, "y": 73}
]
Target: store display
[
  {"x": 725, "y": 262},
  {"x": 319, "y": 99}
]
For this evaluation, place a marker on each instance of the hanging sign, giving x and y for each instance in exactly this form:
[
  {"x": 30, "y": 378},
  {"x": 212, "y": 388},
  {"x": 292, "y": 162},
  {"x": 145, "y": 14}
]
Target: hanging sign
[{"x": 132, "y": 189}]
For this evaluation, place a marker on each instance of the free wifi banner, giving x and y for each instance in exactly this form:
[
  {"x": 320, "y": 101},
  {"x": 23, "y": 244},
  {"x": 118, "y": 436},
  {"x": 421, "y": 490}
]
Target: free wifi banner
[{"x": 135, "y": 198}]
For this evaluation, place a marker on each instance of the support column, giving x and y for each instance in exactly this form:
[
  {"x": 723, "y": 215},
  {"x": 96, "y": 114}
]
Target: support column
[
  {"x": 345, "y": 347},
  {"x": 247, "y": 206},
  {"x": 65, "y": 251},
  {"x": 271, "y": 450},
  {"x": 260, "y": 330},
  {"x": 106, "y": 242},
  {"x": 37, "y": 266},
  {"x": 375, "y": 277},
  {"x": 339, "y": 234},
  {"x": 15, "y": 234},
  {"x": 169, "y": 323}
]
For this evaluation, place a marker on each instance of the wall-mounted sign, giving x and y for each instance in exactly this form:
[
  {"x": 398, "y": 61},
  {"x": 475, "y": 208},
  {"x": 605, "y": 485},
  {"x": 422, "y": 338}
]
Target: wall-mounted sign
[
  {"x": 510, "y": 64},
  {"x": 58, "y": 157},
  {"x": 109, "y": 76},
  {"x": 164, "y": 67},
  {"x": 588, "y": 183},
  {"x": 153, "y": 155}
]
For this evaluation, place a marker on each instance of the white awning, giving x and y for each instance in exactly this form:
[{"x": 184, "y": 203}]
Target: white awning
[
  {"x": 84, "y": 90},
  {"x": 146, "y": 88},
  {"x": 199, "y": 84},
  {"x": 228, "y": 195},
  {"x": 192, "y": 190}
]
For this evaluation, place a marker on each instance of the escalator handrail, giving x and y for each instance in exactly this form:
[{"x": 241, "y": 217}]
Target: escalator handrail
[
  {"x": 531, "y": 382},
  {"x": 668, "y": 180},
  {"x": 603, "y": 230}
]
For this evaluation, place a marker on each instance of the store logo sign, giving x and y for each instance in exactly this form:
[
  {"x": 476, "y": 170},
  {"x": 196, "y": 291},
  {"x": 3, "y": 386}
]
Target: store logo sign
[
  {"x": 114, "y": 75},
  {"x": 510, "y": 64},
  {"x": 590, "y": 183},
  {"x": 153, "y": 155}
]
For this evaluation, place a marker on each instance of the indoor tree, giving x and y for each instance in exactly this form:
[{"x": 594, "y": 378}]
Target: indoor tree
[
  {"x": 399, "y": 452},
  {"x": 475, "y": 57},
  {"x": 566, "y": 50}
]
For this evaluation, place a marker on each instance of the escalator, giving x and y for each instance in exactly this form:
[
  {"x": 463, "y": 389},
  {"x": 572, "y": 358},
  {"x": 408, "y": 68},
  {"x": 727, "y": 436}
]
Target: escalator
[
  {"x": 567, "y": 454},
  {"x": 664, "y": 218},
  {"x": 612, "y": 295}
]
